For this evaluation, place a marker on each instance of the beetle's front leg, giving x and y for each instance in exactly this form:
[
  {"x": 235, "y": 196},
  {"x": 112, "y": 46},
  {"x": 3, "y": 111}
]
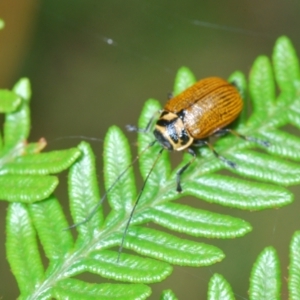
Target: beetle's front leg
[{"x": 179, "y": 172}]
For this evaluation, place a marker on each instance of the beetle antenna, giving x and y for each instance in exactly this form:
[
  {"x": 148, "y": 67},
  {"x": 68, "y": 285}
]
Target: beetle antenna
[
  {"x": 96, "y": 207},
  {"x": 132, "y": 128},
  {"x": 136, "y": 203},
  {"x": 82, "y": 137}
]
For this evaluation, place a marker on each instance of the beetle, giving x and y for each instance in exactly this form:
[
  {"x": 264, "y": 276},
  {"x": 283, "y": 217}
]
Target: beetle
[
  {"x": 197, "y": 113},
  {"x": 190, "y": 118}
]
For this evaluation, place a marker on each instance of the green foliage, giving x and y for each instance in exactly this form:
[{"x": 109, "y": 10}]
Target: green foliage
[
  {"x": 252, "y": 188},
  {"x": 219, "y": 288},
  {"x": 9, "y": 101},
  {"x": 294, "y": 267},
  {"x": 265, "y": 277},
  {"x": 265, "y": 280},
  {"x": 24, "y": 172},
  {"x": 78, "y": 290},
  {"x": 2, "y": 24},
  {"x": 168, "y": 295}
]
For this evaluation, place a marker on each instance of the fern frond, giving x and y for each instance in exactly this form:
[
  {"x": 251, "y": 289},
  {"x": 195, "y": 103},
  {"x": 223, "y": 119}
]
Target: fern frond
[{"x": 258, "y": 183}]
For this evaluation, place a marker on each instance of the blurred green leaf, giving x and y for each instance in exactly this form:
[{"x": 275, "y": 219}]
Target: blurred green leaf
[
  {"x": 265, "y": 280},
  {"x": 21, "y": 163},
  {"x": 184, "y": 79},
  {"x": 9, "y": 101},
  {"x": 169, "y": 248},
  {"x": 84, "y": 192},
  {"x": 2, "y": 24},
  {"x": 50, "y": 222},
  {"x": 286, "y": 65},
  {"x": 124, "y": 192},
  {"x": 105, "y": 263},
  {"x": 294, "y": 267},
  {"x": 197, "y": 222},
  {"x": 265, "y": 276},
  {"x": 219, "y": 289},
  {"x": 22, "y": 249},
  {"x": 17, "y": 123},
  {"x": 26, "y": 189},
  {"x": 168, "y": 295},
  {"x": 79, "y": 290},
  {"x": 237, "y": 192},
  {"x": 42, "y": 163}
]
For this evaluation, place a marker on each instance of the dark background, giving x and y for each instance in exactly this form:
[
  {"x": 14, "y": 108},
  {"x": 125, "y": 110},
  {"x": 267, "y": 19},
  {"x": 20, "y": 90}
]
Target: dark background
[{"x": 92, "y": 64}]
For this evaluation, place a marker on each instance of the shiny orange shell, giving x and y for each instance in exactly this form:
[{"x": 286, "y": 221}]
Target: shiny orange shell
[{"x": 208, "y": 105}]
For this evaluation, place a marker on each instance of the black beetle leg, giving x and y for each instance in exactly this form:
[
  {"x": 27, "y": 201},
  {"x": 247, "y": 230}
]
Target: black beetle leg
[
  {"x": 244, "y": 137},
  {"x": 179, "y": 172},
  {"x": 230, "y": 163}
]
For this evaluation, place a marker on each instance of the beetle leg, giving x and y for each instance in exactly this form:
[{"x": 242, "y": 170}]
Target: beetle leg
[
  {"x": 220, "y": 132},
  {"x": 244, "y": 137},
  {"x": 230, "y": 163},
  {"x": 199, "y": 143},
  {"x": 205, "y": 142},
  {"x": 179, "y": 172},
  {"x": 147, "y": 128}
]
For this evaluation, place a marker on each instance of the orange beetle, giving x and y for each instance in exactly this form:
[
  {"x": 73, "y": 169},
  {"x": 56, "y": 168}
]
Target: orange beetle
[
  {"x": 197, "y": 113},
  {"x": 190, "y": 118}
]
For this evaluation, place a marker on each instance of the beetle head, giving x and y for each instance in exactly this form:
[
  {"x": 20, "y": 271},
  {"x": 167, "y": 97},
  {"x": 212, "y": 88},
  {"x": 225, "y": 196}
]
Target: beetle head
[{"x": 171, "y": 133}]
